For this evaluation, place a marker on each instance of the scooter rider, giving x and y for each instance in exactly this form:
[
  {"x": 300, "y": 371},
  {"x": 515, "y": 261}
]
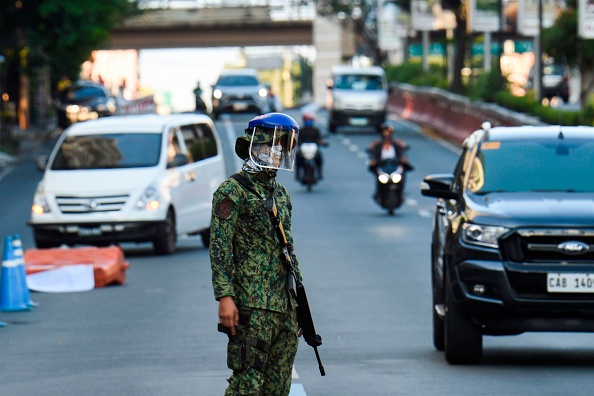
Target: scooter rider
[
  {"x": 387, "y": 148},
  {"x": 309, "y": 133}
]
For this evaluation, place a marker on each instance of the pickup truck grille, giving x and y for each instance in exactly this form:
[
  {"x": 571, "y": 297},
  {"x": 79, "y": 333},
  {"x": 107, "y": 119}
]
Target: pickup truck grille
[
  {"x": 549, "y": 245},
  {"x": 84, "y": 205}
]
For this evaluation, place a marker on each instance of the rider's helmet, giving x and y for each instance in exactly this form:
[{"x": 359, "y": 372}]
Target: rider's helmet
[
  {"x": 385, "y": 128},
  {"x": 270, "y": 141},
  {"x": 308, "y": 119}
]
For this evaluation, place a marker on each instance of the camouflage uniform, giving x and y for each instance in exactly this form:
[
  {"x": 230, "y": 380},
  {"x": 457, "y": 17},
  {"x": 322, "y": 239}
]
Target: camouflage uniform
[{"x": 244, "y": 254}]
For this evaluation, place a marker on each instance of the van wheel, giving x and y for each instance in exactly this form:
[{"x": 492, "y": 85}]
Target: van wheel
[
  {"x": 205, "y": 235},
  {"x": 166, "y": 238}
]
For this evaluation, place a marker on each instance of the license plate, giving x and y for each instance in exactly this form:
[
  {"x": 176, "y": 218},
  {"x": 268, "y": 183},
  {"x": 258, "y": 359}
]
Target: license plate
[
  {"x": 359, "y": 121},
  {"x": 240, "y": 106},
  {"x": 89, "y": 231},
  {"x": 570, "y": 283}
]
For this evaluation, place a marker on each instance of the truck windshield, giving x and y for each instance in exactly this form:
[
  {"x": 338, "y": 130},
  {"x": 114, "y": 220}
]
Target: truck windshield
[
  {"x": 107, "y": 151},
  {"x": 524, "y": 166},
  {"x": 358, "y": 82}
]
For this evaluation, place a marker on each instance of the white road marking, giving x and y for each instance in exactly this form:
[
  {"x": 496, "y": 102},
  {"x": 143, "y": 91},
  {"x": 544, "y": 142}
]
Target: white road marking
[
  {"x": 296, "y": 389},
  {"x": 6, "y": 171},
  {"x": 231, "y": 137},
  {"x": 425, "y": 213}
]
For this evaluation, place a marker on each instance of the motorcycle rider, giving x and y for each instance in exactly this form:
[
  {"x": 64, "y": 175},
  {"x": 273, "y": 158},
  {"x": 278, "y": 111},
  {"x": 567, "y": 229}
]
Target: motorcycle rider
[
  {"x": 309, "y": 133},
  {"x": 387, "y": 148}
]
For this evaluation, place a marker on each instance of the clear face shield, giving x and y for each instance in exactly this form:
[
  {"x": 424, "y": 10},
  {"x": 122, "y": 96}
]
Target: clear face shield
[{"x": 273, "y": 149}]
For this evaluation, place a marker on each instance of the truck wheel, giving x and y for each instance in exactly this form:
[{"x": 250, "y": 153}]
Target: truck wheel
[
  {"x": 332, "y": 127},
  {"x": 438, "y": 321},
  {"x": 463, "y": 339},
  {"x": 166, "y": 238},
  {"x": 438, "y": 326}
]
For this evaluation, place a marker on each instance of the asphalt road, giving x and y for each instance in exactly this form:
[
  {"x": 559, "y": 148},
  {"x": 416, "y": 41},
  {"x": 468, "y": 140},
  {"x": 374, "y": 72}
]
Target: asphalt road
[{"x": 367, "y": 276}]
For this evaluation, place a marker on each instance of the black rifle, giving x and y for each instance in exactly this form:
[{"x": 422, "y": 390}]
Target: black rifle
[{"x": 296, "y": 287}]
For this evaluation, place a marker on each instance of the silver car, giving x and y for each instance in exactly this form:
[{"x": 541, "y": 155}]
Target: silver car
[{"x": 239, "y": 91}]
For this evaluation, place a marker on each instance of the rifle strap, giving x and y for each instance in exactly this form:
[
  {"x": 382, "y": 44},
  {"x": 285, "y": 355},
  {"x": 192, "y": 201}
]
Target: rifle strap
[{"x": 272, "y": 214}]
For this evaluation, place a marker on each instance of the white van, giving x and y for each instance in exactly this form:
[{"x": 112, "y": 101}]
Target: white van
[
  {"x": 137, "y": 178},
  {"x": 357, "y": 96}
]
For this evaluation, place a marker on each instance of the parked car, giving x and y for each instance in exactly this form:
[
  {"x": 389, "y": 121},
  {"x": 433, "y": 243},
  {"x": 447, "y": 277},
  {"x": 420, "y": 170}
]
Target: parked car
[
  {"x": 239, "y": 91},
  {"x": 82, "y": 101},
  {"x": 512, "y": 249},
  {"x": 138, "y": 178},
  {"x": 555, "y": 81}
]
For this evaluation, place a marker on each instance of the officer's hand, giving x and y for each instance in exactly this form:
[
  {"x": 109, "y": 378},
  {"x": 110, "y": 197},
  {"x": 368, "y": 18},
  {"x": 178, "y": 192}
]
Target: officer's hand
[{"x": 228, "y": 313}]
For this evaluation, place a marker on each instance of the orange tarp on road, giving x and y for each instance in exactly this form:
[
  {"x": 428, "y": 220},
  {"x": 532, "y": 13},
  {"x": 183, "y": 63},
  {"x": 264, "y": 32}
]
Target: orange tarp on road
[{"x": 109, "y": 264}]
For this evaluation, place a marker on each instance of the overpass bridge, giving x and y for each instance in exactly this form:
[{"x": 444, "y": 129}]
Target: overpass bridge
[
  {"x": 242, "y": 26},
  {"x": 267, "y": 23}
]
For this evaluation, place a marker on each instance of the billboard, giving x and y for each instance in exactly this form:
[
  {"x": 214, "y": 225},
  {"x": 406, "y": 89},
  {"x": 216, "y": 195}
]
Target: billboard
[
  {"x": 483, "y": 15},
  {"x": 586, "y": 19},
  {"x": 528, "y": 15}
]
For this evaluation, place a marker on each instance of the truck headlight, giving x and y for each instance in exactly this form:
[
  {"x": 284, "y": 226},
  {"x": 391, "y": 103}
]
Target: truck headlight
[{"x": 477, "y": 234}]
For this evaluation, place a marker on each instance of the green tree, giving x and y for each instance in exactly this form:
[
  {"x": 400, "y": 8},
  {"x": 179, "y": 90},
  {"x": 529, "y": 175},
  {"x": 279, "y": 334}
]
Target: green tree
[
  {"x": 561, "y": 41},
  {"x": 358, "y": 16},
  {"x": 58, "y": 34}
]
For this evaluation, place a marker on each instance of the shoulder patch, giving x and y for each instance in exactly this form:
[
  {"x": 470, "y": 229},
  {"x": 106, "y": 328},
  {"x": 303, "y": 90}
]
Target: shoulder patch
[{"x": 224, "y": 208}]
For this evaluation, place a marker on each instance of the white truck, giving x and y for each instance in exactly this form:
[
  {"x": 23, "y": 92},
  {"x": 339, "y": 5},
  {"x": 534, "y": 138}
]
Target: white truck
[{"x": 357, "y": 97}]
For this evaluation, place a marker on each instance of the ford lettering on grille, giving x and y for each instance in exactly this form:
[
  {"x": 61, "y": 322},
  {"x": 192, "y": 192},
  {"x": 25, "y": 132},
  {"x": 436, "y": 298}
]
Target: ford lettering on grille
[{"x": 573, "y": 247}]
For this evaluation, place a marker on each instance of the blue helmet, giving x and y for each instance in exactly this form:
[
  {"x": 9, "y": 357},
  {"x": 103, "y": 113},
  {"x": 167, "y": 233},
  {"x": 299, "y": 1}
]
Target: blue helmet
[
  {"x": 276, "y": 131},
  {"x": 272, "y": 121}
]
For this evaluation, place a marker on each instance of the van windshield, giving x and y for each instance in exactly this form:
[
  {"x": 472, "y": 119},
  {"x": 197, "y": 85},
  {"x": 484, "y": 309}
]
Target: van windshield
[
  {"x": 358, "y": 82},
  {"x": 108, "y": 151}
]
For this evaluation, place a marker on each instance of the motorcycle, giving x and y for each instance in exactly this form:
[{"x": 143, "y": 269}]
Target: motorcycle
[
  {"x": 390, "y": 185},
  {"x": 308, "y": 172}
]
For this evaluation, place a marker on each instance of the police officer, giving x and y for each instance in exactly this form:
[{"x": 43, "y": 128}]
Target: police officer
[{"x": 249, "y": 279}]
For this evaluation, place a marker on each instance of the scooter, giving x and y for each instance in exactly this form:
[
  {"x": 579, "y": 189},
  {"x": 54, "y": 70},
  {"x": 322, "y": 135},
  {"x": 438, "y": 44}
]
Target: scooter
[
  {"x": 390, "y": 185},
  {"x": 308, "y": 172}
]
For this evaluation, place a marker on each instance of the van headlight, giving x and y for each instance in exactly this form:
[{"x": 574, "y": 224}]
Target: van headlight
[
  {"x": 380, "y": 105},
  {"x": 40, "y": 205},
  {"x": 482, "y": 235},
  {"x": 149, "y": 200},
  {"x": 263, "y": 92},
  {"x": 217, "y": 94}
]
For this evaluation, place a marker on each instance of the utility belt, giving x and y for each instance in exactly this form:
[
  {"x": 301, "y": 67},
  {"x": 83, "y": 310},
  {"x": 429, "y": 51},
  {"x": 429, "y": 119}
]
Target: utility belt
[{"x": 244, "y": 351}]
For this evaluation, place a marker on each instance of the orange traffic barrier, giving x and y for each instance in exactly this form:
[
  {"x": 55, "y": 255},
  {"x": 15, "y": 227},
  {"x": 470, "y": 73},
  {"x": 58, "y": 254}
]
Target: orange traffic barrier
[{"x": 109, "y": 264}]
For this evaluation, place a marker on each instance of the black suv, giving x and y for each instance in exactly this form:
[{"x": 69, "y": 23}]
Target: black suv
[{"x": 513, "y": 238}]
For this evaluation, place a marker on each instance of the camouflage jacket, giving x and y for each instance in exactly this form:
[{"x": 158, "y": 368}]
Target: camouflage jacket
[{"x": 244, "y": 248}]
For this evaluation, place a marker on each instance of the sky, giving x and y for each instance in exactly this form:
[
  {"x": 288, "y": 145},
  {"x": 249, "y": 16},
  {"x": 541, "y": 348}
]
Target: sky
[{"x": 176, "y": 71}]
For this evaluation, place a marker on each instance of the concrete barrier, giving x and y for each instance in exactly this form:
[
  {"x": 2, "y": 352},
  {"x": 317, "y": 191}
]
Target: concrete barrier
[{"x": 451, "y": 116}]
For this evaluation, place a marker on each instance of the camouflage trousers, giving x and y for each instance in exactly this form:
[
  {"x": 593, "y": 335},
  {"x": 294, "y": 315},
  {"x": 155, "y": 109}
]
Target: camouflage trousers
[{"x": 265, "y": 368}]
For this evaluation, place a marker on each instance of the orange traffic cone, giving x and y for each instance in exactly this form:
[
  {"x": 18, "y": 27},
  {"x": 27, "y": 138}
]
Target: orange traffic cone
[
  {"x": 11, "y": 286},
  {"x": 17, "y": 248}
]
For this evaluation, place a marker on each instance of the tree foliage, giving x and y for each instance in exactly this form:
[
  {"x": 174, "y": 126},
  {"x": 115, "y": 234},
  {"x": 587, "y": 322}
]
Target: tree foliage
[
  {"x": 561, "y": 41},
  {"x": 59, "y": 34}
]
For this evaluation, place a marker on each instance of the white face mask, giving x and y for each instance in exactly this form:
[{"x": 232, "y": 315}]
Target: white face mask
[{"x": 278, "y": 153}]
